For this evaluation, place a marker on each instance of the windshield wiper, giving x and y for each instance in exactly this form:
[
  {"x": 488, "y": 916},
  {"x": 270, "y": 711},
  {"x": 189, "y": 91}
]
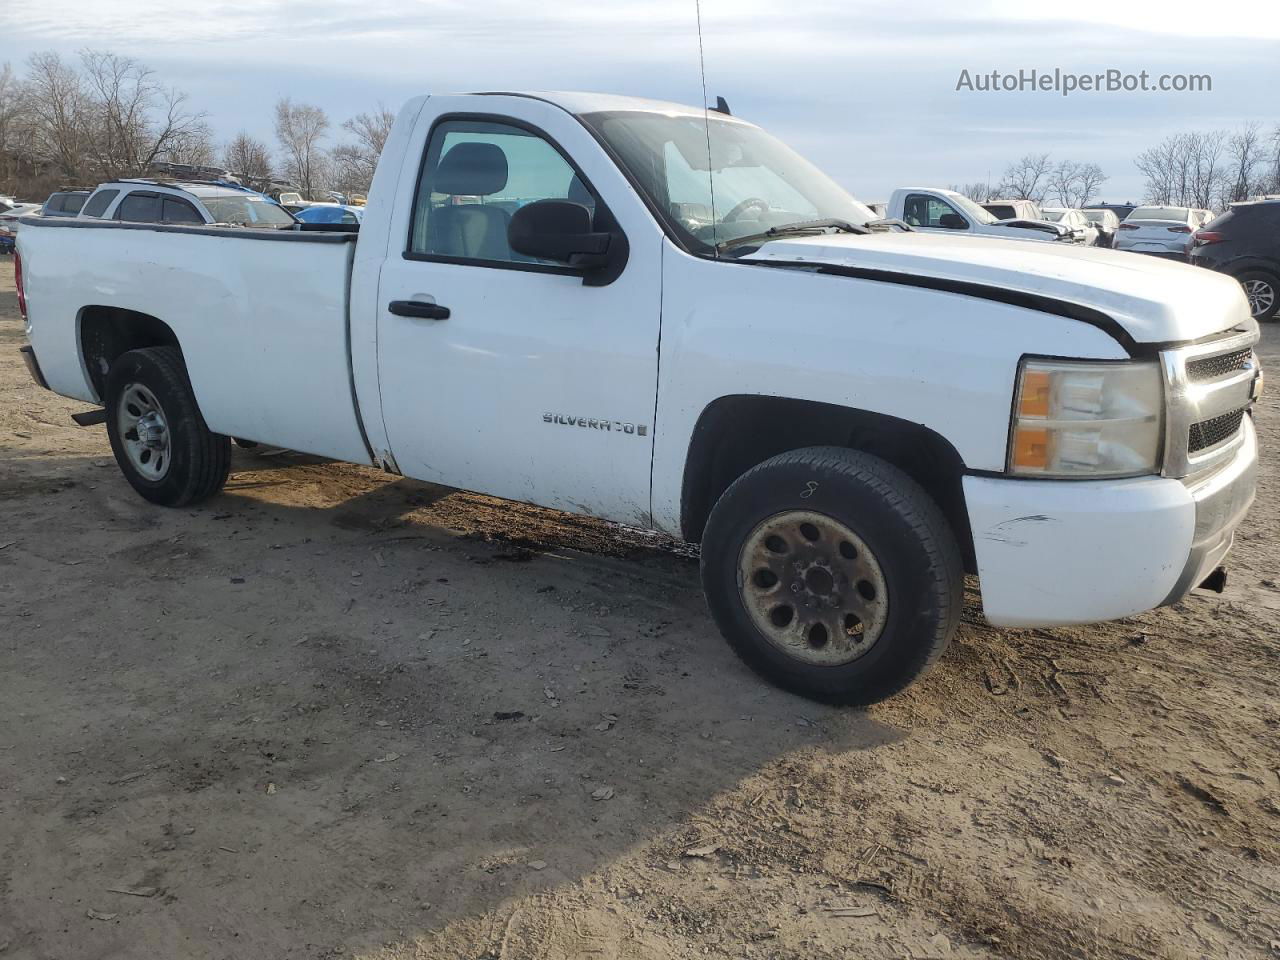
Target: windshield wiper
[{"x": 794, "y": 229}]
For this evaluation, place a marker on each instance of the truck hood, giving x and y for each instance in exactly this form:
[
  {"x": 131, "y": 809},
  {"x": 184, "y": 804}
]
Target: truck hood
[
  {"x": 1019, "y": 223},
  {"x": 1153, "y": 300}
]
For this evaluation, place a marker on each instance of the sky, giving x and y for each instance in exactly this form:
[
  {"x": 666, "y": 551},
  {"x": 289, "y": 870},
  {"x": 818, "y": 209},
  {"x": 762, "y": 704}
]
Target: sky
[{"x": 866, "y": 90}]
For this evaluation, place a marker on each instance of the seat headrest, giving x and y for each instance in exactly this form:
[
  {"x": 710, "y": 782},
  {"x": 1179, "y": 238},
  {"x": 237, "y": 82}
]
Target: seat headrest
[{"x": 472, "y": 170}]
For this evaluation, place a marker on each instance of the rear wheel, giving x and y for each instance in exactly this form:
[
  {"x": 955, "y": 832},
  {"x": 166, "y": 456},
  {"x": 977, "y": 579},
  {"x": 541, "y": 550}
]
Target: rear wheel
[
  {"x": 832, "y": 574},
  {"x": 1263, "y": 291},
  {"x": 157, "y": 434}
]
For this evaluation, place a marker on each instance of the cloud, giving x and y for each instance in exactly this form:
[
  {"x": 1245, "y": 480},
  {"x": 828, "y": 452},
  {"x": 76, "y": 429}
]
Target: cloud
[{"x": 864, "y": 89}]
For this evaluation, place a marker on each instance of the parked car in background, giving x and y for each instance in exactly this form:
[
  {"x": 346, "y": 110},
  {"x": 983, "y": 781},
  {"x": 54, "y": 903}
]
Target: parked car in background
[
  {"x": 1105, "y": 222},
  {"x": 1244, "y": 242},
  {"x": 184, "y": 202},
  {"x": 64, "y": 203},
  {"x": 1013, "y": 209},
  {"x": 9, "y": 223},
  {"x": 1121, "y": 210},
  {"x": 330, "y": 213},
  {"x": 1159, "y": 231},
  {"x": 293, "y": 202},
  {"x": 844, "y": 416},
  {"x": 929, "y": 208},
  {"x": 1082, "y": 231}
]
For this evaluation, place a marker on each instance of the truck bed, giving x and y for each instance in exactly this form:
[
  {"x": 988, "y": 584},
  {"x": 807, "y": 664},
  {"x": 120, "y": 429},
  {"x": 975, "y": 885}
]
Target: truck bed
[{"x": 283, "y": 377}]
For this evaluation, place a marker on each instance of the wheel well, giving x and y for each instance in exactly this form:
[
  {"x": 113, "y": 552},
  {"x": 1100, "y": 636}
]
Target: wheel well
[
  {"x": 735, "y": 433},
  {"x": 107, "y": 332}
]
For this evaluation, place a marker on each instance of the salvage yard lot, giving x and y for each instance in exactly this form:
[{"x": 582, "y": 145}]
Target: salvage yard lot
[{"x": 332, "y": 713}]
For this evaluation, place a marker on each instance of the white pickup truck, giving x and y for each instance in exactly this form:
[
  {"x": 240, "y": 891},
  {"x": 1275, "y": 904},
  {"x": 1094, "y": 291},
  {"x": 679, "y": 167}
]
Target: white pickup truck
[
  {"x": 548, "y": 302},
  {"x": 929, "y": 208}
]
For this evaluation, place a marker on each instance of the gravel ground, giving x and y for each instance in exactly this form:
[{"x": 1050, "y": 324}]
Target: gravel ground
[{"x": 332, "y": 713}]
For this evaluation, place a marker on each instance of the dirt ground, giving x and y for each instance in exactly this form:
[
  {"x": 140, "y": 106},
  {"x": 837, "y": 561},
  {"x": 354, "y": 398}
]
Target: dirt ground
[{"x": 332, "y": 713}]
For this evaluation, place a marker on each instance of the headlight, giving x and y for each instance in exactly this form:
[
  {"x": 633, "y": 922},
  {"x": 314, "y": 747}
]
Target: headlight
[{"x": 1078, "y": 419}]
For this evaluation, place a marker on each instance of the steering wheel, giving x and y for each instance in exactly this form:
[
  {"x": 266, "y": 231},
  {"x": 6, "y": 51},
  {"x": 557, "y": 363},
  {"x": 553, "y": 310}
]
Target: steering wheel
[{"x": 741, "y": 208}]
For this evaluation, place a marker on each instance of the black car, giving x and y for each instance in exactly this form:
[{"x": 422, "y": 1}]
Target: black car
[
  {"x": 64, "y": 203},
  {"x": 1245, "y": 243}
]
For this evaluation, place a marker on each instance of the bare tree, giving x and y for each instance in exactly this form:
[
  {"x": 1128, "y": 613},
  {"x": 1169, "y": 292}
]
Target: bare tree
[
  {"x": 978, "y": 191},
  {"x": 14, "y": 127},
  {"x": 1074, "y": 184},
  {"x": 1089, "y": 180},
  {"x": 300, "y": 128},
  {"x": 354, "y": 162},
  {"x": 58, "y": 106},
  {"x": 135, "y": 120},
  {"x": 247, "y": 158},
  {"x": 1186, "y": 169},
  {"x": 1027, "y": 179},
  {"x": 1245, "y": 150}
]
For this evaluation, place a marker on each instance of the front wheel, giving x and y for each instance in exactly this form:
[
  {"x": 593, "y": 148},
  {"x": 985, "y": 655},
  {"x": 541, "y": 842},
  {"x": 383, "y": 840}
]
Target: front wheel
[
  {"x": 157, "y": 434},
  {"x": 832, "y": 574},
  {"x": 1263, "y": 291}
]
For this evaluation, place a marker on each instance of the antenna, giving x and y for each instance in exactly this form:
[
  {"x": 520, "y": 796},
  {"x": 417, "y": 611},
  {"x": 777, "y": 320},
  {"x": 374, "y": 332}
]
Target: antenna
[{"x": 706, "y": 120}]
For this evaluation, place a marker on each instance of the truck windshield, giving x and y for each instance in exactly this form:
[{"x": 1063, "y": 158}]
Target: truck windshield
[
  {"x": 247, "y": 211},
  {"x": 743, "y": 184},
  {"x": 971, "y": 207}
]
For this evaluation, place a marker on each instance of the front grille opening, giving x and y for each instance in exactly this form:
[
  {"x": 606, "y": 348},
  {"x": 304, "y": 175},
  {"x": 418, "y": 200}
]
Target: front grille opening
[
  {"x": 1210, "y": 433},
  {"x": 1211, "y": 368}
]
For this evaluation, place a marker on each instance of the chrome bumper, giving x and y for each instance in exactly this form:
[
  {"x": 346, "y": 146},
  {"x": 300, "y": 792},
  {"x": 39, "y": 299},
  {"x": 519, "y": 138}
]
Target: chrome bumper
[{"x": 1221, "y": 499}]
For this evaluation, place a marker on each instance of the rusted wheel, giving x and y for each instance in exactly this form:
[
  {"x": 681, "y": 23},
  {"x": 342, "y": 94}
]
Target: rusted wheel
[{"x": 832, "y": 574}]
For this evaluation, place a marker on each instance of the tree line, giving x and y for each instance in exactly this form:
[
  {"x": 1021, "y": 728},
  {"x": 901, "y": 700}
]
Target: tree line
[
  {"x": 102, "y": 116},
  {"x": 1205, "y": 170}
]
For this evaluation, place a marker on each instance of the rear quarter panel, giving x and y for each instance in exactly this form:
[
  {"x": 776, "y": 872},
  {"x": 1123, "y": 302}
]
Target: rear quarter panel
[{"x": 262, "y": 323}]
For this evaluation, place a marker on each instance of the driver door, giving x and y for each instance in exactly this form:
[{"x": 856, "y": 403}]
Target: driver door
[{"x": 513, "y": 377}]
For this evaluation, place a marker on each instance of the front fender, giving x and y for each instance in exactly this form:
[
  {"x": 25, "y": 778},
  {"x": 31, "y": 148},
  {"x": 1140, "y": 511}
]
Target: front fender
[{"x": 943, "y": 360}]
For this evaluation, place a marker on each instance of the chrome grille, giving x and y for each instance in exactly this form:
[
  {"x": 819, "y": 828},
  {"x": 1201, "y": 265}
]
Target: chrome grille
[
  {"x": 1210, "y": 368},
  {"x": 1210, "y": 433},
  {"x": 1208, "y": 390}
]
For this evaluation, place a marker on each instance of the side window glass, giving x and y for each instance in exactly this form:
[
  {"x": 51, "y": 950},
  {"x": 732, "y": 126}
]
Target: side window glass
[
  {"x": 475, "y": 175},
  {"x": 179, "y": 211},
  {"x": 99, "y": 202},
  {"x": 921, "y": 210},
  {"x": 139, "y": 208},
  {"x": 937, "y": 210}
]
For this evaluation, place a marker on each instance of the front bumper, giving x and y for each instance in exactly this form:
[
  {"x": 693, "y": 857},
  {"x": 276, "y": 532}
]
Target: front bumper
[{"x": 1054, "y": 552}]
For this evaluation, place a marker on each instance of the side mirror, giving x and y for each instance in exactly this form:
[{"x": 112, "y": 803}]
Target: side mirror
[
  {"x": 953, "y": 221},
  {"x": 558, "y": 230}
]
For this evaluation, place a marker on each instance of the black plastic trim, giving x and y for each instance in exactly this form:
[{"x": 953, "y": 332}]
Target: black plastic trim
[
  {"x": 33, "y": 365},
  {"x": 619, "y": 236},
  {"x": 250, "y": 233}
]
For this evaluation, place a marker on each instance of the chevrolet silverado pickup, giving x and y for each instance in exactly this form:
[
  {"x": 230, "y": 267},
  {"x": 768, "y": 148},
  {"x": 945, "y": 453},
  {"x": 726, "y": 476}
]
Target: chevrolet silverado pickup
[
  {"x": 664, "y": 317},
  {"x": 929, "y": 208}
]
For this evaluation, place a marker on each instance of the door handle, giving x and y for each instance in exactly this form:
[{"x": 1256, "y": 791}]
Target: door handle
[{"x": 418, "y": 308}]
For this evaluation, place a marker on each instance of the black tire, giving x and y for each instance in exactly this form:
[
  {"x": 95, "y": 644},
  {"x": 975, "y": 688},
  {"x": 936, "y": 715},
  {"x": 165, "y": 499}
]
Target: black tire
[
  {"x": 1267, "y": 286},
  {"x": 198, "y": 460},
  {"x": 898, "y": 523}
]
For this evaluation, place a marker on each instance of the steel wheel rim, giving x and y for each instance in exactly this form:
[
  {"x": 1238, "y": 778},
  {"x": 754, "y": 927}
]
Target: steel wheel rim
[
  {"x": 1262, "y": 296},
  {"x": 144, "y": 431},
  {"x": 813, "y": 588}
]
